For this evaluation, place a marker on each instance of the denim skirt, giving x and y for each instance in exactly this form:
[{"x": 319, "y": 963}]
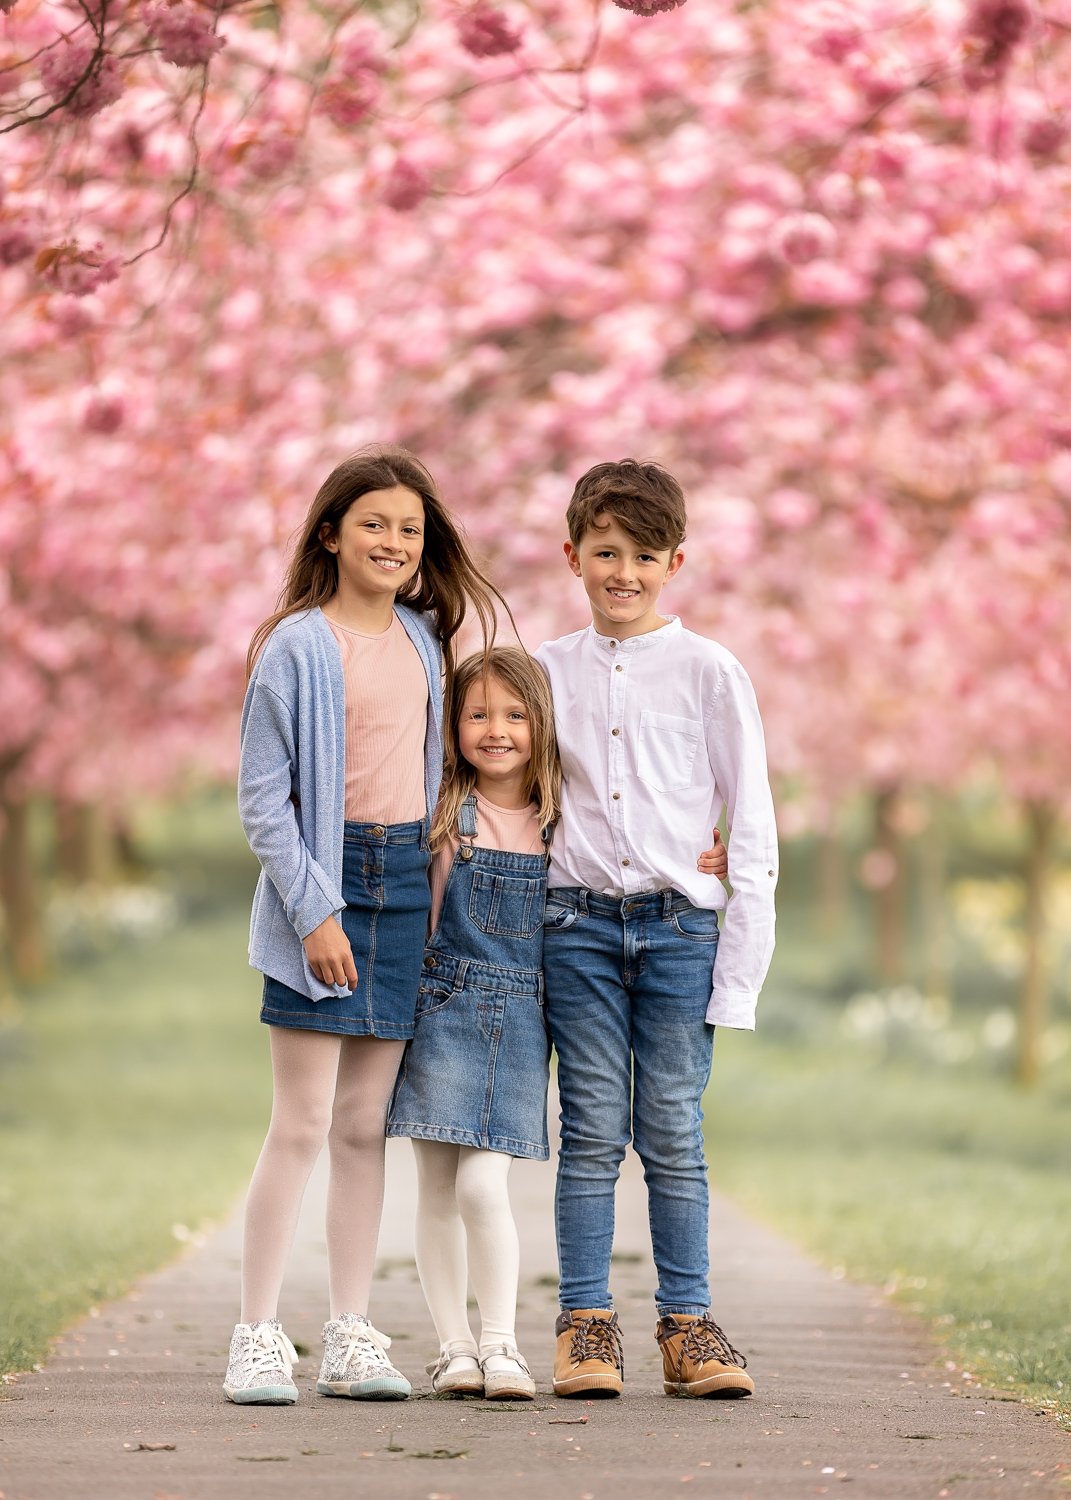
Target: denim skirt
[
  {"x": 385, "y": 887},
  {"x": 476, "y": 1072}
]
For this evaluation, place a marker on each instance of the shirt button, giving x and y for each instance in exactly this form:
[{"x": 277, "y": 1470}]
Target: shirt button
[
  {"x": 626, "y": 861},
  {"x": 617, "y": 796},
  {"x": 771, "y": 872},
  {"x": 615, "y": 731},
  {"x": 619, "y": 668}
]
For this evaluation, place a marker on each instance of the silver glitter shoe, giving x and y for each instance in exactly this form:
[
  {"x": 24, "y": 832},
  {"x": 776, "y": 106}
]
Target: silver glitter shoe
[
  {"x": 261, "y": 1359},
  {"x": 356, "y": 1364}
]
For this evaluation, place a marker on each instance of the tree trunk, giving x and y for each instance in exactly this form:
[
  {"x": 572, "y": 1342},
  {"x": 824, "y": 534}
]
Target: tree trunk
[
  {"x": 889, "y": 898},
  {"x": 933, "y": 890},
  {"x": 85, "y": 843},
  {"x": 20, "y": 892},
  {"x": 1034, "y": 995}
]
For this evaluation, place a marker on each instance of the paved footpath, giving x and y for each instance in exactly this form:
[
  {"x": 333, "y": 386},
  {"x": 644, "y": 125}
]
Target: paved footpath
[{"x": 852, "y": 1399}]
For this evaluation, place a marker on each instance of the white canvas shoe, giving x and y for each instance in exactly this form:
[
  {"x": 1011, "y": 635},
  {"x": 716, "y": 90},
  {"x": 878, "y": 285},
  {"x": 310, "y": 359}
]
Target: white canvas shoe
[
  {"x": 506, "y": 1376},
  {"x": 260, "y": 1365},
  {"x": 457, "y": 1371},
  {"x": 356, "y": 1364}
]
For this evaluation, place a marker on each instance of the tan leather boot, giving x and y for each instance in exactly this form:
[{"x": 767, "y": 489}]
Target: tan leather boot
[
  {"x": 698, "y": 1360},
  {"x": 589, "y": 1360}
]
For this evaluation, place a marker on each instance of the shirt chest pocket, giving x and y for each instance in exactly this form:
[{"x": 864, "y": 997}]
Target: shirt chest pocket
[
  {"x": 667, "y": 750},
  {"x": 507, "y": 905}
]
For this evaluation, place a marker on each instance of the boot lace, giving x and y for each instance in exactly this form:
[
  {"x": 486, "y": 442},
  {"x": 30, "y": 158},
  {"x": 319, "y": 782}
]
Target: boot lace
[
  {"x": 597, "y": 1338},
  {"x": 704, "y": 1340}
]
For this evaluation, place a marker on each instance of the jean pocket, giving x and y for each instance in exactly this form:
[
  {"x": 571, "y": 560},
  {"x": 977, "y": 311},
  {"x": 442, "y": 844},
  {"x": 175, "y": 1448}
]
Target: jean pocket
[
  {"x": 559, "y": 916},
  {"x": 696, "y": 923},
  {"x": 432, "y": 996},
  {"x": 667, "y": 749}
]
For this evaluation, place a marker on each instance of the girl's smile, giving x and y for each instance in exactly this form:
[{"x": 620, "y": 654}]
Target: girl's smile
[
  {"x": 378, "y": 546},
  {"x": 495, "y": 737}
]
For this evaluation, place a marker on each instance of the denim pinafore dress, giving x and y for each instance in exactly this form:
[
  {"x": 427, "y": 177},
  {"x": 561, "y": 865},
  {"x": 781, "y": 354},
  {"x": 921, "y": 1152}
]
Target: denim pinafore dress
[{"x": 477, "y": 1068}]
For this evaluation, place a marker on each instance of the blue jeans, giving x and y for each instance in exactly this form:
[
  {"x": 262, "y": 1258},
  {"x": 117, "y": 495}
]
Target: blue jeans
[{"x": 627, "y": 986}]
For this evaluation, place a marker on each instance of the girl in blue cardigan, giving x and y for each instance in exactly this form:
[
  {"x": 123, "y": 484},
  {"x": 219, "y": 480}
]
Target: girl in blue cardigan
[{"x": 341, "y": 760}]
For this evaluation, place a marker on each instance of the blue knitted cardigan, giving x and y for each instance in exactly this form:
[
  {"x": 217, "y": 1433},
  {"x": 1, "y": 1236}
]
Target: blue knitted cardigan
[{"x": 292, "y": 784}]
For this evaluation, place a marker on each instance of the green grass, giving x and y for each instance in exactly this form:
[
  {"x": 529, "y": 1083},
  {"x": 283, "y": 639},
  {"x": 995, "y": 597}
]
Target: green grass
[
  {"x": 134, "y": 1092},
  {"x": 948, "y": 1185}
]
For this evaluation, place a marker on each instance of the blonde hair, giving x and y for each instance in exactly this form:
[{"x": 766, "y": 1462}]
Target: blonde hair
[{"x": 521, "y": 674}]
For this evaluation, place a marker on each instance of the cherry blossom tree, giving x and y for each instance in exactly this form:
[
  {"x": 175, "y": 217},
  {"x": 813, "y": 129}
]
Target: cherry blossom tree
[{"x": 810, "y": 256}]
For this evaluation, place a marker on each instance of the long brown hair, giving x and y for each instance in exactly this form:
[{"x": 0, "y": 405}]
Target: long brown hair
[
  {"x": 522, "y": 675},
  {"x": 447, "y": 582}
]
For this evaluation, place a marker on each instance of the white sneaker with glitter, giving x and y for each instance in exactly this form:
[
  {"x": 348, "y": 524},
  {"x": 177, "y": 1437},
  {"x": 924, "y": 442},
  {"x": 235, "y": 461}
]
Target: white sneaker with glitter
[
  {"x": 260, "y": 1365},
  {"x": 356, "y": 1364}
]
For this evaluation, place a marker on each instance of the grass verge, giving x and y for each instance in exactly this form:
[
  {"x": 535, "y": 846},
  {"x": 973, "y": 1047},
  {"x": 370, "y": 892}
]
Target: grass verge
[
  {"x": 951, "y": 1187},
  {"x": 135, "y": 1094}
]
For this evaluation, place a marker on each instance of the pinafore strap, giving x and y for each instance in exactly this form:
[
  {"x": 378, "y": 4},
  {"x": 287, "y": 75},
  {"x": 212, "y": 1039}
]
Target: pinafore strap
[
  {"x": 466, "y": 818},
  {"x": 467, "y": 827}
]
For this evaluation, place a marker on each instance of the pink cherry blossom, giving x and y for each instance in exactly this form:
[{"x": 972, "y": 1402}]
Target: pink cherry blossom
[
  {"x": 802, "y": 237},
  {"x": 184, "y": 34},
  {"x": 1045, "y": 137},
  {"x": 348, "y": 101},
  {"x": 17, "y": 242},
  {"x": 103, "y": 413},
  {"x": 648, "y": 7},
  {"x": 484, "y": 31},
  {"x": 67, "y": 63},
  {"x": 406, "y": 186}
]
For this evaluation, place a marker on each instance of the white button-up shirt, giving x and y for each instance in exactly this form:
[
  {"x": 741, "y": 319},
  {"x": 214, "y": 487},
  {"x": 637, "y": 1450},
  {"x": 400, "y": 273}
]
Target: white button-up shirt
[{"x": 657, "y": 733}]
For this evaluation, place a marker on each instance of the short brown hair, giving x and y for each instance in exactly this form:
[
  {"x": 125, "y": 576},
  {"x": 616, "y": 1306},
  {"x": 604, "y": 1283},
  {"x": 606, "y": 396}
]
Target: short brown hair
[{"x": 644, "y": 497}]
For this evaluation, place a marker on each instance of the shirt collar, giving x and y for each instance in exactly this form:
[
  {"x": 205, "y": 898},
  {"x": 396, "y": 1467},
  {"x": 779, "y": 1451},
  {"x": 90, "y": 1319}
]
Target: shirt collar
[{"x": 633, "y": 643}]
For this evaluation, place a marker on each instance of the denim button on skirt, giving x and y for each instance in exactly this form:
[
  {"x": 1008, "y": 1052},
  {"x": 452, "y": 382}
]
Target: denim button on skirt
[
  {"x": 476, "y": 1071},
  {"x": 385, "y": 887}
]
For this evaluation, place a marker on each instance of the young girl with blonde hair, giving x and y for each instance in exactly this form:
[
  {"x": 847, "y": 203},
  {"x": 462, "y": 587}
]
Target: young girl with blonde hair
[
  {"x": 341, "y": 761},
  {"x": 472, "y": 1092}
]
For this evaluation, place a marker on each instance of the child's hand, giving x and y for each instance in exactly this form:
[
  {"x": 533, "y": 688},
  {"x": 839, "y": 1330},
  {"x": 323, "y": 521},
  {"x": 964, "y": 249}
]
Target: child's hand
[
  {"x": 715, "y": 860},
  {"x": 330, "y": 956}
]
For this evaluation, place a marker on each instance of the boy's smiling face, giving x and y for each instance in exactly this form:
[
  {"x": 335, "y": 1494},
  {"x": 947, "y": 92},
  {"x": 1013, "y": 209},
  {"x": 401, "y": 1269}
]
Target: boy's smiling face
[{"x": 622, "y": 578}]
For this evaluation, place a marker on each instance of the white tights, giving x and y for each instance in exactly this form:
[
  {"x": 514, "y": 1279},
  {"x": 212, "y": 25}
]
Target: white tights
[
  {"x": 326, "y": 1088},
  {"x": 465, "y": 1227}
]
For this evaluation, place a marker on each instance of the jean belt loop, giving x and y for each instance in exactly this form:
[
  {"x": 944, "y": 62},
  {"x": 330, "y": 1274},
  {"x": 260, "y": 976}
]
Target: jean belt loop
[
  {"x": 582, "y": 901},
  {"x": 667, "y": 902},
  {"x": 459, "y": 975}
]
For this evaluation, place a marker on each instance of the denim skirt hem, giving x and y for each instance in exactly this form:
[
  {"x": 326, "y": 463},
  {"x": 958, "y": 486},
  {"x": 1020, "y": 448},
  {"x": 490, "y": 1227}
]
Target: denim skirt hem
[
  {"x": 449, "y": 1136},
  {"x": 337, "y": 1025}
]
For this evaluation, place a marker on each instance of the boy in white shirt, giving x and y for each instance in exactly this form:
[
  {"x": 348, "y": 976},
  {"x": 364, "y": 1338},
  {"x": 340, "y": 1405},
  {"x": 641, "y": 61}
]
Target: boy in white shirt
[{"x": 658, "y": 730}]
